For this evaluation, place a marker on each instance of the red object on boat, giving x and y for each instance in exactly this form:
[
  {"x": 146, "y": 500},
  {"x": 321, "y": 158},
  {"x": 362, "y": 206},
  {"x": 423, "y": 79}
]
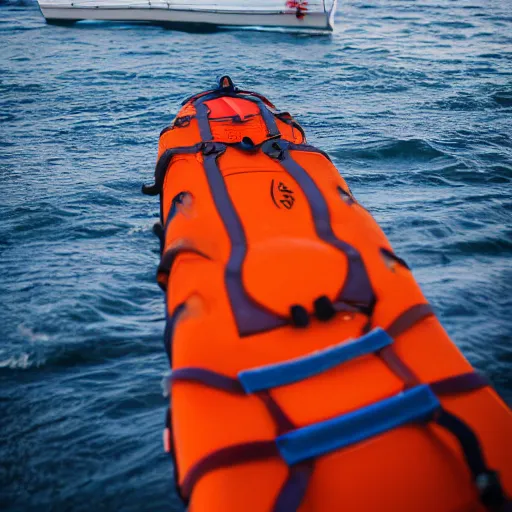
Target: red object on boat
[{"x": 300, "y": 5}]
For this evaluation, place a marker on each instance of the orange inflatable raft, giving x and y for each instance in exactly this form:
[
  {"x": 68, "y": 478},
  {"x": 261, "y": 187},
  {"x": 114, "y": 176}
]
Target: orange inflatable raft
[{"x": 309, "y": 372}]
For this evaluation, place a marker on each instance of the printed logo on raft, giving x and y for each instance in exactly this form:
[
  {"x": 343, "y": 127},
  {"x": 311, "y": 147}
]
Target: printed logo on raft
[
  {"x": 281, "y": 195},
  {"x": 233, "y": 135}
]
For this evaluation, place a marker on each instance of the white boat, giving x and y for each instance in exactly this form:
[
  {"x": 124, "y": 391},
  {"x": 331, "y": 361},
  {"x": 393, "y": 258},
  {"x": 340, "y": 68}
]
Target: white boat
[{"x": 291, "y": 14}]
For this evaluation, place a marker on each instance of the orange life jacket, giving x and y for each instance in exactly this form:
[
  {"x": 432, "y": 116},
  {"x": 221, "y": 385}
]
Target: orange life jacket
[{"x": 308, "y": 371}]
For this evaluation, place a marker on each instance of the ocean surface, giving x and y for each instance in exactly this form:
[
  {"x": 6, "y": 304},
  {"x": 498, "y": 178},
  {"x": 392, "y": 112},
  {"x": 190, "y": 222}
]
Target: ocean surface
[{"x": 412, "y": 100}]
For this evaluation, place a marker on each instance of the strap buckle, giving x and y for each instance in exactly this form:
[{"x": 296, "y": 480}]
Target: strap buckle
[
  {"x": 275, "y": 149},
  {"x": 213, "y": 148},
  {"x": 490, "y": 489}
]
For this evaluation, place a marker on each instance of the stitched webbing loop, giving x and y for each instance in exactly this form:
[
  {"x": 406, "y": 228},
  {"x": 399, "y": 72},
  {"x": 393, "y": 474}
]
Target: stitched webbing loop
[{"x": 288, "y": 372}]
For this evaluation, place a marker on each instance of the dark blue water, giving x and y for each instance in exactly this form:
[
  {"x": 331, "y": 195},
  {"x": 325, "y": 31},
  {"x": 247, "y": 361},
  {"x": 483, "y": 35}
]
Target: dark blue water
[{"x": 413, "y": 101}]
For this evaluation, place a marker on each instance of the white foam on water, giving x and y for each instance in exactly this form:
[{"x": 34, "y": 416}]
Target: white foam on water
[{"x": 19, "y": 362}]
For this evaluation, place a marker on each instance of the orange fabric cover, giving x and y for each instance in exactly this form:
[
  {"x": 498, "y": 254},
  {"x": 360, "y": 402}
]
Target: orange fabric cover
[{"x": 412, "y": 468}]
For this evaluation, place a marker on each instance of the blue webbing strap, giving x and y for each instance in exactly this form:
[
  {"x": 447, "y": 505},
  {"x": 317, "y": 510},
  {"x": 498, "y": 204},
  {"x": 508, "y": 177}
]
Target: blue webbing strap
[
  {"x": 416, "y": 404},
  {"x": 294, "y": 370}
]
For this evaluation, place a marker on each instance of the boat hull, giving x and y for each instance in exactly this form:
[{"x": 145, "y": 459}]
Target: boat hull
[{"x": 312, "y": 21}]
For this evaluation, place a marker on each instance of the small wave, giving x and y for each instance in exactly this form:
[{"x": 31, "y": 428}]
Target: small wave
[
  {"x": 30, "y": 335},
  {"x": 26, "y": 359},
  {"x": 99, "y": 350},
  {"x": 490, "y": 56},
  {"x": 142, "y": 228},
  {"x": 453, "y": 24},
  {"x": 6, "y": 118},
  {"x": 410, "y": 149},
  {"x": 68, "y": 355},
  {"x": 147, "y": 53},
  {"x": 503, "y": 98},
  {"x": 436, "y": 180},
  {"x": 484, "y": 246},
  {"x": 94, "y": 231},
  {"x": 500, "y": 174},
  {"x": 118, "y": 75},
  {"x": 19, "y": 362},
  {"x": 460, "y": 175},
  {"x": 463, "y": 102},
  {"x": 21, "y": 88}
]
